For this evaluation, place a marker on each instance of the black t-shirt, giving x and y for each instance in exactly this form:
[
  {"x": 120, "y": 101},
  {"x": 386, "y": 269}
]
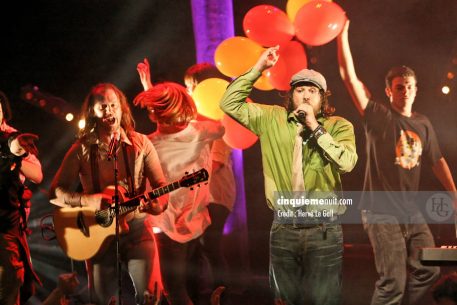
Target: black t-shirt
[{"x": 396, "y": 146}]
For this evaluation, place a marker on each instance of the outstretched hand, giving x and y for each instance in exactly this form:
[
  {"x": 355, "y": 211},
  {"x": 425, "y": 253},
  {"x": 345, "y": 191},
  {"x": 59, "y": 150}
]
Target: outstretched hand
[
  {"x": 268, "y": 59},
  {"x": 144, "y": 72}
]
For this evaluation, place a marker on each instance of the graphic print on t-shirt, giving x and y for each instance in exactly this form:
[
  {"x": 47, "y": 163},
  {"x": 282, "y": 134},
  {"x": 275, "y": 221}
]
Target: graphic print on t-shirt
[{"x": 408, "y": 149}]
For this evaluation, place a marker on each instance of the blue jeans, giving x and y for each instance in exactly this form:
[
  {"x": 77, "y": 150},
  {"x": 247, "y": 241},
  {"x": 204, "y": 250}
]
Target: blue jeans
[
  {"x": 395, "y": 247},
  {"x": 306, "y": 264}
]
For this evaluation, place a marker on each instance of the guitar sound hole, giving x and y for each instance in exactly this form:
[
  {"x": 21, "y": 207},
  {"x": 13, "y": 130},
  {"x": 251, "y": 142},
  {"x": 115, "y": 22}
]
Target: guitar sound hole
[{"x": 104, "y": 217}]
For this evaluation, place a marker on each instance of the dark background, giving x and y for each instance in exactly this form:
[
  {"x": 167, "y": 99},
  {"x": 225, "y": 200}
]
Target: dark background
[{"x": 66, "y": 47}]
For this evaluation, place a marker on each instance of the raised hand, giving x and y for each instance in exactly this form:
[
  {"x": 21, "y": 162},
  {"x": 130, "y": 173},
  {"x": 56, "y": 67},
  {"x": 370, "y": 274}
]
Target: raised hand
[
  {"x": 268, "y": 59},
  {"x": 144, "y": 72}
]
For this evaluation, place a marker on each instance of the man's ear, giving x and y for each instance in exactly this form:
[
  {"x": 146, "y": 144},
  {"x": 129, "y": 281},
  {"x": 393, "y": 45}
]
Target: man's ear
[{"x": 388, "y": 92}]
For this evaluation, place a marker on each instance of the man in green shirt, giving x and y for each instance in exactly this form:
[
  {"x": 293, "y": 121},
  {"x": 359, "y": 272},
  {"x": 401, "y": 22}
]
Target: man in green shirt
[{"x": 304, "y": 151}]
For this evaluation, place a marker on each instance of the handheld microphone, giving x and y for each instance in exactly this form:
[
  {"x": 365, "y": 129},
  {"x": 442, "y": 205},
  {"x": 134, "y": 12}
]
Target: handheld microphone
[
  {"x": 301, "y": 115},
  {"x": 113, "y": 145}
]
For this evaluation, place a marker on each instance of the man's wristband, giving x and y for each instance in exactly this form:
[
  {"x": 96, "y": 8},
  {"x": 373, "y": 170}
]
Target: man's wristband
[{"x": 319, "y": 131}]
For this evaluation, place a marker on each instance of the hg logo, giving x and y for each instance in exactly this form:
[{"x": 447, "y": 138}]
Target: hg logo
[{"x": 439, "y": 207}]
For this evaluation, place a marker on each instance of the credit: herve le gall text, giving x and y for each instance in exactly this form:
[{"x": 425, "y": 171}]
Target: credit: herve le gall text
[{"x": 304, "y": 214}]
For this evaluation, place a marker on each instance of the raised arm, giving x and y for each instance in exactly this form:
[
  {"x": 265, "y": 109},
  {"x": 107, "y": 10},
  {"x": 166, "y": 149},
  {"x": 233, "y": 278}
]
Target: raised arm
[
  {"x": 233, "y": 102},
  {"x": 359, "y": 93},
  {"x": 144, "y": 72}
]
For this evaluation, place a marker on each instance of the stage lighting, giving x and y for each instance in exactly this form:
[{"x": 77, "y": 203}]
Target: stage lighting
[
  {"x": 445, "y": 89},
  {"x": 69, "y": 117},
  {"x": 81, "y": 124}
]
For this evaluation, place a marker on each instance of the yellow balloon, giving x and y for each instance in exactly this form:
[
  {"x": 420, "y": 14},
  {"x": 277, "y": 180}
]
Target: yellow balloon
[
  {"x": 293, "y": 6},
  {"x": 263, "y": 83},
  {"x": 236, "y": 55},
  {"x": 207, "y": 95}
]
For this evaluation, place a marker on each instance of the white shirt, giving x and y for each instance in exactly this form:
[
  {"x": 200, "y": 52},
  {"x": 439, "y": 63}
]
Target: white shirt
[{"x": 188, "y": 150}]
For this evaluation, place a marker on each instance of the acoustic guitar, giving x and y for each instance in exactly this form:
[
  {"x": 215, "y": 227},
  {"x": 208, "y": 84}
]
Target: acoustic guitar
[{"x": 84, "y": 231}]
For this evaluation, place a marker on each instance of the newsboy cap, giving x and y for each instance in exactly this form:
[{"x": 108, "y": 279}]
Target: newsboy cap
[{"x": 309, "y": 76}]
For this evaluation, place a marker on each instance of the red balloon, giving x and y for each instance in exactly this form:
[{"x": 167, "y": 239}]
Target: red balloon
[
  {"x": 268, "y": 25},
  {"x": 236, "y": 135},
  {"x": 292, "y": 58},
  {"x": 319, "y": 22}
]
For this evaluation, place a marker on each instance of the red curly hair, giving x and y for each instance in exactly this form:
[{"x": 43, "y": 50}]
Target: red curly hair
[{"x": 169, "y": 103}]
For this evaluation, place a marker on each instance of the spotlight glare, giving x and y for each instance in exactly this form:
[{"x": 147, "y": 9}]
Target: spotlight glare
[
  {"x": 445, "y": 89},
  {"x": 81, "y": 124},
  {"x": 450, "y": 75},
  {"x": 69, "y": 117}
]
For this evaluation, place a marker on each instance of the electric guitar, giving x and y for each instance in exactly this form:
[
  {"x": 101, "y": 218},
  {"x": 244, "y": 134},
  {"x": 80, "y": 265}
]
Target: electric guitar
[{"x": 83, "y": 231}]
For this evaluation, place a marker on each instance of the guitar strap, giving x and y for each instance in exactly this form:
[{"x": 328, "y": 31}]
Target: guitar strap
[
  {"x": 128, "y": 152},
  {"x": 94, "y": 168}
]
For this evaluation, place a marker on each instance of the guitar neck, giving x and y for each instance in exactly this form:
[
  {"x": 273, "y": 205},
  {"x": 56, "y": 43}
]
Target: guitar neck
[
  {"x": 104, "y": 217},
  {"x": 131, "y": 204},
  {"x": 164, "y": 190}
]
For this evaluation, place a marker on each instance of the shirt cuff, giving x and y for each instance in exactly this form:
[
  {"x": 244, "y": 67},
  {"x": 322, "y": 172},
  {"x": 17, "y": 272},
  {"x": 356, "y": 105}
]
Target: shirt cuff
[{"x": 325, "y": 140}]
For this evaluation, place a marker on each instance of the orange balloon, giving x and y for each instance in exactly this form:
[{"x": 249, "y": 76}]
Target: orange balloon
[
  {"x": 207, "y": 95},
  {"x": 293, "y": 6},
  {"x": 236, "y": 55},
  {"x": 263, "y": 83}
]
